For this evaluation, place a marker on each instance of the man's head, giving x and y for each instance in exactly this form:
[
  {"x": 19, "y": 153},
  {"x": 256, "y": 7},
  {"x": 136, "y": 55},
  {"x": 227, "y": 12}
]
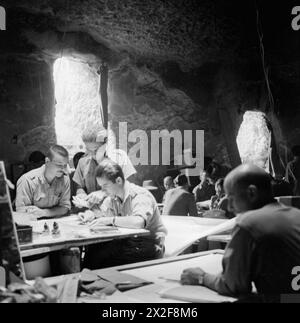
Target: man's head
[
  {"x": 168, "y": 183},
  {"x": 205, "y": 177},
  {"x": 95, "y": 139},
  {"x": 181, "y": 180},
  {"x": 110, "y": 177},
  {"x": 219, "y": 186},
  {"x": 57, "y": 160},
  {"x": 248, "y": 187}
]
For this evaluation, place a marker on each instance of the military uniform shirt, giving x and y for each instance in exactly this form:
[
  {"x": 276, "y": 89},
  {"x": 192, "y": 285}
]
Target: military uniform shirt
[{"x": 34, "y": 190}]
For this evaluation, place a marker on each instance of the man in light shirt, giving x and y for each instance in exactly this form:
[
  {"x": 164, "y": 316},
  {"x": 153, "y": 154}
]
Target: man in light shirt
[
  {"x": 127, "y": 206},
  {"x": 45, "y": 192}
]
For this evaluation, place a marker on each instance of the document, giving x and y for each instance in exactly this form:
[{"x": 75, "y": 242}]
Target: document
[{"x": 194, "y": 294}]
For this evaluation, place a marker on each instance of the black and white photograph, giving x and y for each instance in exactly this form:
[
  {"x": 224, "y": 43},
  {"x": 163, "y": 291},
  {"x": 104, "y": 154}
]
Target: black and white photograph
[{"x": 149, "y": 154}]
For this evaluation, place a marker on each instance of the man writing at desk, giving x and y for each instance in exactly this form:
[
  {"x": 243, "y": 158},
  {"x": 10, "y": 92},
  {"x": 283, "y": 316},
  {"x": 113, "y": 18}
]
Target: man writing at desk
[
  {"x": 45, "y": 192},
  {"x": 128, "y": 206},
  {"x": 265, "y": 245}
]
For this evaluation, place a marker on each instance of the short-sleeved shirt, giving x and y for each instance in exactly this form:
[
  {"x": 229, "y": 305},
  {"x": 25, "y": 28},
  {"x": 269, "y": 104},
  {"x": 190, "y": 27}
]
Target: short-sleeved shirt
[
  {"x": 33, "y": 189},
  {"x": 204, "y": 192},
  {"x": 178, "y": 201},
  {"x": 85, "y": 173},
  {"x": 264, "y": 248},
  {"x": 140, "y": 202}
]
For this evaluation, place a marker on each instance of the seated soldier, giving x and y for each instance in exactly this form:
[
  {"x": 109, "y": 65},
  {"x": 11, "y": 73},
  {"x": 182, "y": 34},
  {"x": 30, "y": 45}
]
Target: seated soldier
[
  {"x": 265, "y": 244},
  {"x": 219, "y": 203},
  {"x": 168, "y": 184},
  {"x": 179, "y": 201},
  {"x": 205, "y": 190},
  {"x": 45, "y": 192},
  {"x": 127, "y": 206}
]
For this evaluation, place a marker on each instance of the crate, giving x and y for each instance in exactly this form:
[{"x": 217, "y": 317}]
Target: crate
[{"x": 24, "y": 233}]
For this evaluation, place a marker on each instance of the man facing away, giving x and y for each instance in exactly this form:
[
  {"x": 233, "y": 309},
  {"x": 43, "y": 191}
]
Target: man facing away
[
  {"x": 265, "y": 245},
  {"x": 179, "y": 201},
  {"x": 128, "y": 206},
  {"x": 45, "y": 192}
]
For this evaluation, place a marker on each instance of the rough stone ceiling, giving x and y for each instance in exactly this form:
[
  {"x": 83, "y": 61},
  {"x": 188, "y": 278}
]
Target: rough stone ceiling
[{"x": 186, "y": 31}]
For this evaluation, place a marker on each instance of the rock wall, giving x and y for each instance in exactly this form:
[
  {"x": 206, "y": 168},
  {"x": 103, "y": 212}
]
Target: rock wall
[
  {"x": 144, "y": 100},
  {"x": 26, "y": 108}
]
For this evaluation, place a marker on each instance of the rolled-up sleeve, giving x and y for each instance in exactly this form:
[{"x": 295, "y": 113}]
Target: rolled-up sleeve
[
  {"x": 24, "y": 195},
  {"x": 142, "y": 205},
  {"x": 235, "y": 280}
]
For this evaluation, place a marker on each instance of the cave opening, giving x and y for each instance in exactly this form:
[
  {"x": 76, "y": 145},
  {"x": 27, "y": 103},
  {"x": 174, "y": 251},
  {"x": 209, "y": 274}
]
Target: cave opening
[
  {"x": 77, "y": 101},
  {"x": 254, "y": 138}
]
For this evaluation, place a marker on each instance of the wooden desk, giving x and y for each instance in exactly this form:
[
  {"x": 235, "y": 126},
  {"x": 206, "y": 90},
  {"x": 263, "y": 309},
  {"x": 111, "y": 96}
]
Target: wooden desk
[
  {"x": 158, "y": 271},
  {"x": 72, "y": 235}
]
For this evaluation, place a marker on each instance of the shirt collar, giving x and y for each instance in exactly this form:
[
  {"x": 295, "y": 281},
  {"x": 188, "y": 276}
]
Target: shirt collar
[
  {"x": 41, "y": 174},
  {"x": 42, "y": 178},
  {"x": 127, "y": 192}
]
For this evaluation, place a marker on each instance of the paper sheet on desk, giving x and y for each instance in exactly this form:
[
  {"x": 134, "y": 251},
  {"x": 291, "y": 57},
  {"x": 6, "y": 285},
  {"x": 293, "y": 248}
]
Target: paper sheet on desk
[
  {"x": 194, "y": 294},
  {"x": 22, "y": 218},
  {"x": 116, "y": 297},
  {"x": 211, "y": 264},
  {"x": 197, "y": 294},
  {"x": 182, "y": 235}
]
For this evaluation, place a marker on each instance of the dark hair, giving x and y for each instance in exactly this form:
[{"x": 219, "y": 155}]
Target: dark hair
[
  {"x": 109, "y": 169},
  {"x": 76, "y": 158},
  {"x": 207, "y": 161},
  {"x": 181, "y": 180},
  {"x": 296, "y": 150},
  {"x": 36, "y": 157},
  {"x": 56, "y": 149}
]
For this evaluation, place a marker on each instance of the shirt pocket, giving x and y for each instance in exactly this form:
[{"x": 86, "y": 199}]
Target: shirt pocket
[
  {"x": 55, "y": 198},
  {"x": 39, "y": 194}
]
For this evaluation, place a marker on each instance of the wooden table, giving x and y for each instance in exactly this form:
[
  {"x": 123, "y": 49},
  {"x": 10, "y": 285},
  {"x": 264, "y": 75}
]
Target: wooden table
[{"x": 72, "y": 234}]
